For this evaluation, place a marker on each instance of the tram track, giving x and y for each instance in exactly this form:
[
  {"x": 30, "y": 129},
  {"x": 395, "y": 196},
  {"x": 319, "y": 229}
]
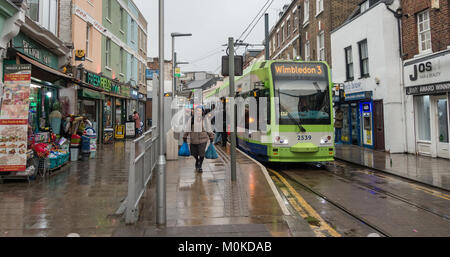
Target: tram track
[
  {"x": 334, "y": 203},
  {"x": 387, "y": 193}
]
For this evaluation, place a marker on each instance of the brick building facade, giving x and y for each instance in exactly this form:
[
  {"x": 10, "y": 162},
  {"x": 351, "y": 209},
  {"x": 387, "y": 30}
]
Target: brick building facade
[
  {"x": 439, "y": 19},
  {"x": 305, "y": 26},
  {"x": 426, "y": 62}
]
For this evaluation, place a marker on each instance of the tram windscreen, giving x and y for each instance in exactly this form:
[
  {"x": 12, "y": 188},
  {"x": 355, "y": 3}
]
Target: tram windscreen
[{"x": 303, "y": 93}]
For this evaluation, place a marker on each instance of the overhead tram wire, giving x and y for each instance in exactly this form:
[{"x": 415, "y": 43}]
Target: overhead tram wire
[
  {"x": 249, "y": 25},
  {"x": 248, "y": 34}
]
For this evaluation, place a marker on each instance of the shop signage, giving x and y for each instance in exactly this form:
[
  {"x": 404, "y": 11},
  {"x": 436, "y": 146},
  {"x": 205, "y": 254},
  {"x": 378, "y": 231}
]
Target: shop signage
[
  {"x": 80, "y": 55},
  {"x": 103, "y": 83},
  {"x": 130, "y": 130},
  {"x": 14, "y": 117},
  {"x": 353, "y": 87},
  {"x": 429, "y": 70},
  {"x": 429, "y": 89},
  {"x": 358, "y": 96},
  {"x": 125, "y": 91},
  {"x": 150, "y": 73},
  {"x": 119, "y": 132},
  {"x": 31, "y": 48}
]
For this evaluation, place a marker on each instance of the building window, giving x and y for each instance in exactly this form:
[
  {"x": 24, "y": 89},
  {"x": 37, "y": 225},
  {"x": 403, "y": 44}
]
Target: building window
[
  {"x": 44, "y": 12},
  {"x": 349, "y": 63},
  {"x": 279, "y": 39},
  {"x": 288, "y": 28},
  {"x": 33, "y": 10},
  {"x": 295, "y": 25},
  {"x": 132, "y": 68},
  {"x": 319, "y": 6},
  {"x": 282, "y": 34},
  {"x": 365, "y": 6},
  {"x": 364, "y": 58},
  {"x": 122, "y": 19},
  {"x": 321, "y": 46},
  {"x": 307, "y": 51},
  {"x": 88, "y": 39},
  {"x": 132, "y": 31},
  {"x": 423, "y": 26},
  {"x": 109, "y": 7},
  {"x": 423, "y": 117},
  {"x": 108, "y": 52},
  {"x": 122, "y": 61},
  {"x": 306, "y": 9}
]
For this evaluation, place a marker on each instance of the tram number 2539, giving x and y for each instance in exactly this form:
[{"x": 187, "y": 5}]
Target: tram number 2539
[{"x": 304, "y": 137}]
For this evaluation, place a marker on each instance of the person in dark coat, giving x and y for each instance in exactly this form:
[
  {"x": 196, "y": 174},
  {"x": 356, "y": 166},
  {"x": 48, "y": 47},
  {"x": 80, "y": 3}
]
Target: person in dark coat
[{"x": 199, "y": 140}]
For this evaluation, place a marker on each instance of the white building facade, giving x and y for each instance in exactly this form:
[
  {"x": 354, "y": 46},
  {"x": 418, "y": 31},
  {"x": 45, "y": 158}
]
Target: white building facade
[{"x": 367, "y": 65}]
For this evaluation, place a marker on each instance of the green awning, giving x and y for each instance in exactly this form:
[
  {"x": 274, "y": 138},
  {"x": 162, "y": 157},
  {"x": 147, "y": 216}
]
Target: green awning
[{"x": 86, "y": 93}]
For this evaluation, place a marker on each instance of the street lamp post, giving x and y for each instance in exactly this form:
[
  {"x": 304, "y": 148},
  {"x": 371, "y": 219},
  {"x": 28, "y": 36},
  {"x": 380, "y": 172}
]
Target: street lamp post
[{"x": 173, "y": 35}]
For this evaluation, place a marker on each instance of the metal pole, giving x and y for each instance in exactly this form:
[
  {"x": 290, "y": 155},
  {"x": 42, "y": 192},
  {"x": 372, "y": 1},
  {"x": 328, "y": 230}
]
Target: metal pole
[
  {"x": 174, "y": 77},
  {"x": 266, "y": 16},
  {"x": 161, "y": 174},
  {"x": 232, "y": 109},
  {"x": 173, "y": 67}
]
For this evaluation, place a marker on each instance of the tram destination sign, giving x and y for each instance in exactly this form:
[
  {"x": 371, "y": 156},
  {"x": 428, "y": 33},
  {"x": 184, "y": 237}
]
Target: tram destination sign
[
  {"x": 308, "y": 71},
  {"x": 429, "y": 89}
]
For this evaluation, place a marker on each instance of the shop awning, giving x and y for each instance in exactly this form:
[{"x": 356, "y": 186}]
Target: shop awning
[
  {"x": 43, "y": 67},
  {"x": 86, "y": 93}
]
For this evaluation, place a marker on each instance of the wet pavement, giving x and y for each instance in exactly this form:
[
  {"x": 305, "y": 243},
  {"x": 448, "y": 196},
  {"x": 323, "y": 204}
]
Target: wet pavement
[
  {"x": 427, "y": 170},
  {"x": 209, "y": 204},
  {"x": 79, "y": 198}
]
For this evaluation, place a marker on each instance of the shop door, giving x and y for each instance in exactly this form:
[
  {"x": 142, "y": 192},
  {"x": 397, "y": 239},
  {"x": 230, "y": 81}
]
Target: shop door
[
  {"x": 441, "y": 106},
  {"x": 355, "y": 128},
  {"x": 378, "y": 113}
]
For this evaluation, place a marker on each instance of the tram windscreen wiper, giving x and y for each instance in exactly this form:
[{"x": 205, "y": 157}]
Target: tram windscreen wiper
[{"x": 302, "y": 129}]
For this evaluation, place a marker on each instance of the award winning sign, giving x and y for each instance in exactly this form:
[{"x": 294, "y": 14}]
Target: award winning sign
[{"x": 14, "y": 118}]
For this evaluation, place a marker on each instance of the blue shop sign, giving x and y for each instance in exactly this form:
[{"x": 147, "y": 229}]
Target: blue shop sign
[
  {"x": 358, "y": 96},
  {"x": 150, "y": 73}
]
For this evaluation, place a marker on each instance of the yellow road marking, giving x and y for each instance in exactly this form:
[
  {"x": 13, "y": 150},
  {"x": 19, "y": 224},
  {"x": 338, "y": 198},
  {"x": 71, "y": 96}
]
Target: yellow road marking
[
  {"x": 423, "y": 189},
  {"x": 432, "y": 192},
  {"x": 305, "y": 206}
]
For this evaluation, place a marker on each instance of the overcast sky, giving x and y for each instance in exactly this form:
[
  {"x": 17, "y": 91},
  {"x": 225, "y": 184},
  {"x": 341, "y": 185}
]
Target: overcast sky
[{"x": 211, "y": 22}]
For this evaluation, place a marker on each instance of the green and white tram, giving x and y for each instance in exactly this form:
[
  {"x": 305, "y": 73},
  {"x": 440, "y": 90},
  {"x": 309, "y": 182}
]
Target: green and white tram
[{"x": 299, "y": 124}]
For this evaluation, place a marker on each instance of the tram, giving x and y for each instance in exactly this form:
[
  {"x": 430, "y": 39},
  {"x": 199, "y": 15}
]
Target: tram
[{"x": 294, "y": 121}]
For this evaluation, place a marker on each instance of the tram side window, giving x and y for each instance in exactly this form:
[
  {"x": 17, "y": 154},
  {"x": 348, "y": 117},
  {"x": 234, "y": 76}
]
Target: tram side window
[{"x": 261, "y": 126}]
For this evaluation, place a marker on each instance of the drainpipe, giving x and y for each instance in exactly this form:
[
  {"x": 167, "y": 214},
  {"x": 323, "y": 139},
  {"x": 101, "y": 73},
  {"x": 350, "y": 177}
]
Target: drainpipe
[{"x": 398, "y": 14}]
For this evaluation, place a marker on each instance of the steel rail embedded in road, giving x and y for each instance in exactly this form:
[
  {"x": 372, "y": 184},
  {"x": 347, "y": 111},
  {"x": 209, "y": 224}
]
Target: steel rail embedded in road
[
  {"x": 395, "y": 196},
  {"x": 337, "y": 205}
]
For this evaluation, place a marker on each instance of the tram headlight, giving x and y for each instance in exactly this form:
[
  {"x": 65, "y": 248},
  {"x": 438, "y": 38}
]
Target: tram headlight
[
  {"x": 281, "y": 140},
  {"x": 325, "y": 140}
]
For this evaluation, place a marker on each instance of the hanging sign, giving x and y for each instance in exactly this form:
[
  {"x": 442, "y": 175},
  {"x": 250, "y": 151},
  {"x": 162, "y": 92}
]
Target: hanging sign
[
  {"x": 14, "y": 118},
  {"x": 80, "y": 55}
]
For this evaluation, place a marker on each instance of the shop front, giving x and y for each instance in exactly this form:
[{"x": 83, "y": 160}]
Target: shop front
[
  {"x": 427, "y": 83},
  {"x": 357, "y": 119},
  {"x": 31, "y": 123}
]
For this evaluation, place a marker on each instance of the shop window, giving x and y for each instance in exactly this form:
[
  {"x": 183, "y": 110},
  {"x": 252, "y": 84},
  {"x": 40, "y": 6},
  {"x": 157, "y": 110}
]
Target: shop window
[
  {"x": 423, "y": 117},
  {"x": 108, "y": 52},
  {"x": 107, "y": 112}
]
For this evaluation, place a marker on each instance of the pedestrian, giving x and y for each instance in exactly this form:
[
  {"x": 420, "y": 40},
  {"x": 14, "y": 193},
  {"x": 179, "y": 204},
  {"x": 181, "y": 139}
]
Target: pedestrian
[
  {"x": 137, "y": 121},
  {"x": 199, "y": 139}
]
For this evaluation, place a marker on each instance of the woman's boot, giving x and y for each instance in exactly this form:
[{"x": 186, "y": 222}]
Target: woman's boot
[{"x": 200, "y": 163}]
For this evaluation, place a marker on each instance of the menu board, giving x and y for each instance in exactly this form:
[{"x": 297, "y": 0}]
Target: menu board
[{"x": 14, "y": 117}]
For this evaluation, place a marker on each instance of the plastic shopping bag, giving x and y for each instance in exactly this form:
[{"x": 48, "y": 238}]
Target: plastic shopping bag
[
  {"x": 211, "y": 152},
  {"x": 184, "y": 150}
]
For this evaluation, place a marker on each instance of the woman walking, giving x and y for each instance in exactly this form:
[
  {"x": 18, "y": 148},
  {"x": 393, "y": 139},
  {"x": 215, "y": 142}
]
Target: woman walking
[{"x": 199, "y": 139}]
